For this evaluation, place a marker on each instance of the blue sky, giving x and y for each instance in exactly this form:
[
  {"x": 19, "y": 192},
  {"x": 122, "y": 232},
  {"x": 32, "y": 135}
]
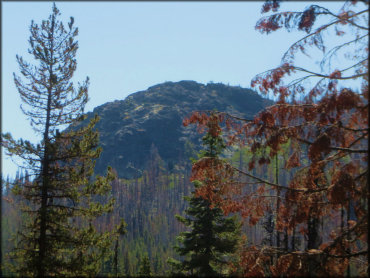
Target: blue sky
[{"x": 125, "y": 47}]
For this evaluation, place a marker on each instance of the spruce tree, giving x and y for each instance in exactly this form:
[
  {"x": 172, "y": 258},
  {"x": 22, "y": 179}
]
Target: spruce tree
[
  {"x": 213, "y": 238},
  {"x": 63, "y": 199}
]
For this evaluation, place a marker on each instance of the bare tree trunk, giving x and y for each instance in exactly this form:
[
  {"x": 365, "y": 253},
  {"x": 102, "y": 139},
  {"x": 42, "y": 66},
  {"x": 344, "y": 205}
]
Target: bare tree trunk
[
  {"x": 293, "y": 240},
  {"x": 240, "y": 161},
  {"x": 314, "y": 241},
  {"x": 286, "y": 242},
  {"x": 116, "y": 259},
  {"x": 348, "y": 237},
  {"x": 277, "y": 201}
]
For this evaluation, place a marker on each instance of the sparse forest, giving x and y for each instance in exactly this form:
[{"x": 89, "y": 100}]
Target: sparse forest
[{"x": 248, "y": 184}]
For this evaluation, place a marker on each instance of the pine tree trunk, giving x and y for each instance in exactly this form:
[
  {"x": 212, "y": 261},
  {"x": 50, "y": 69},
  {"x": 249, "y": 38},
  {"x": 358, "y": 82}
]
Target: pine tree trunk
[
  {"x": 44, "y": 196},
  {"x": 45, "y": 172}
]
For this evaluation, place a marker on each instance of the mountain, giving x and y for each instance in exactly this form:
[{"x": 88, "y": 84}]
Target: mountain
[
  {"x": 144, "y": 140},
  {"x": 152, "y": 119}
]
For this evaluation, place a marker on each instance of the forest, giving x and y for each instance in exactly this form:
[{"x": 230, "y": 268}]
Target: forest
[{"x": 241, "y": 184}]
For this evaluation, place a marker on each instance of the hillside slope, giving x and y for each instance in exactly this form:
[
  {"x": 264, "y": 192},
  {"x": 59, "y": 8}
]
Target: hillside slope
[{"x": 149, "y": 119}]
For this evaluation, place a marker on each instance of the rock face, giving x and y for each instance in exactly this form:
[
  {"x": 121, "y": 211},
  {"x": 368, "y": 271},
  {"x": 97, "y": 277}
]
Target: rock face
[{"x": 152, "y": 119}]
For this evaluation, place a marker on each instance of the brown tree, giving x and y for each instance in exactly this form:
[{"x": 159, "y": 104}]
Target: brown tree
[{"x": 323, "y": 117}]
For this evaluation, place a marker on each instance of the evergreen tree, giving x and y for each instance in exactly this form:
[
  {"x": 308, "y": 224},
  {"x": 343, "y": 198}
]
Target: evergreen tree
[
  {"x": 144, "y": 269},
  {"x": 121, "y": 230},
  {"x": 212, "y": 238},
  {"x": 62, "y": 199},
  {"x": 127, "y": 262}
]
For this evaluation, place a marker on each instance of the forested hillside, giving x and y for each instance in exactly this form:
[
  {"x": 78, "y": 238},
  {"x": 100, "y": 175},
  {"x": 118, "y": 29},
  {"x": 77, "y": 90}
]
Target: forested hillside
[
  {"x": 133, "y": 131},
  {"x": 148, "y": 205}
]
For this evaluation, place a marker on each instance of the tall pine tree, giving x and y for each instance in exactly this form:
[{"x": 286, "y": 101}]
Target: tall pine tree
[
  {"x": 213, "y": 238},
  {"x": 63, "y": 199}
]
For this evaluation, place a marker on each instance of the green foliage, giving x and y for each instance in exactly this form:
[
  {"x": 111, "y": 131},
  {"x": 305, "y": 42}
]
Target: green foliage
[
  {"x": 211, "y": 242},
  {"x": 144, "y": 269},
  {"x": 74, "y": 246},
  {"x": 189, "y": 151},
  {"x": 213, "y": 238},
  {"x": 121, "y": 228},
  {"x": 213, "y": 145},
  {"x": 60, "y": 204}
]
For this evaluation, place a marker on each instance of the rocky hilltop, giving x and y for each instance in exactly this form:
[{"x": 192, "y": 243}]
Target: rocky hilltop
[{"x": 152, "y": 119}]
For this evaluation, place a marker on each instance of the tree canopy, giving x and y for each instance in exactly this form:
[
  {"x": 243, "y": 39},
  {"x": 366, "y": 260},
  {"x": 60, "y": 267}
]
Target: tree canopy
[
  {"x": 61, "y": 197},
  {"x": 324, "y": 119},
  {"x": 209, "y": 245}
]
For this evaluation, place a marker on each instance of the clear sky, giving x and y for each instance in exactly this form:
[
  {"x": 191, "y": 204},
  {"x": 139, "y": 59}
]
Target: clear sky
[{"x": 125, "y": 47}]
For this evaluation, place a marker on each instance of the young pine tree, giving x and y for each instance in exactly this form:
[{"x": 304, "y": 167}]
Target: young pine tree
[
  {"x": 213, "y": 238},
  {"x": 62, "y": 200}
]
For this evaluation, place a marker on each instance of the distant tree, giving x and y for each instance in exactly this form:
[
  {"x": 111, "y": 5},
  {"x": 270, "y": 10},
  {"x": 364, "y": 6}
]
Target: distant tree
[
  {"x": 126, "y": 259},
  {"x": 62, "y": 200},
  {"x": 325, "y": 119},
  {"x": 212, "y": 238},
  {"x": 155, "y": 163},
  {"x": 121, "y": 230},
  {"x": 144, "y": 267},
  {"x": 157, "y": 264}
]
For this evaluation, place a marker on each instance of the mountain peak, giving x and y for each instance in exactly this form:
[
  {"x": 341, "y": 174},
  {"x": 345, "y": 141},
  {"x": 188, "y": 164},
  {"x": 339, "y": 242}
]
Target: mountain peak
[{"x": 129, "y": 128}]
